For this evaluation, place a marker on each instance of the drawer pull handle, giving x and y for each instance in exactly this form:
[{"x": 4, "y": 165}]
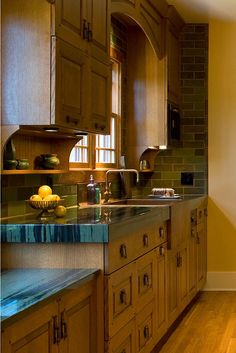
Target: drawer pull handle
[
  {"x": 123, "y": 296},
  {"x": 200, "y": 214},
  {"x": 146, "y": 332},
  {"x": 56, "y": 330},
  {"x": 161, "y": 232},
  {"x": 63, "y": 326},
  {"x": 146, "y": 280},
  {"x": 162, "y": 250},
  {"x": 192, "y": 233},
  {"x": 145, "y": 240},
  {"x": 123, "y": 251}
]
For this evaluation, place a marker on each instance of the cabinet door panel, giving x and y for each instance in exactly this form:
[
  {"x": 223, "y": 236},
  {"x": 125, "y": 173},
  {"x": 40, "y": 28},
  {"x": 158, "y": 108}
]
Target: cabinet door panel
[
  {"x": 123, "y": 341},
  {"x": 161, "y": 289},
  {"x": 32, "y": 333},
  {"x": 100, "y": 29},
  {"x": 172, "y": 281},
  {"x": 101, "y": 97},
  {"x": 121, "y": 298},
  {"x": 71, "y": 95},
  {"x": 146, "y": 278},
  {"x": 70, "y": 15},
  {"x": 78, "y": 326},
  {"x": 146, "y": 328}
]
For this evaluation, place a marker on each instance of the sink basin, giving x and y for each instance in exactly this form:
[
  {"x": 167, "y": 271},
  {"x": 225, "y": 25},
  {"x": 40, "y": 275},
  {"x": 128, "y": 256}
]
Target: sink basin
[{"x": 141, "y": 202}]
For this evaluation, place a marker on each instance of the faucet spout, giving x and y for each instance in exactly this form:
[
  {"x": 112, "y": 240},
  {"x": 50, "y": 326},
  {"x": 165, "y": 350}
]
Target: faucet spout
[{"x": 122, "y": 170}]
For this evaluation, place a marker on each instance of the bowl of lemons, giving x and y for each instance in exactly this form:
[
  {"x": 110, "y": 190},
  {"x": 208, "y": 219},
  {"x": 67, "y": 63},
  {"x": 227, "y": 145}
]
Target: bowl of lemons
[{"x": 47, "y": 202}]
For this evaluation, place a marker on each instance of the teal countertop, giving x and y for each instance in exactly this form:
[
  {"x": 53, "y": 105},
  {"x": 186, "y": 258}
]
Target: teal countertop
[
  {"x": 22, "y": 289},
  {"x": 90, "y": 225}
]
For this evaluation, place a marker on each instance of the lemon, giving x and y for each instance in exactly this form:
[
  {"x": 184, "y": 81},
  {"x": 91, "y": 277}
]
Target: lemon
[
  {"x": 44, "y": 190},
  {"x": 55, "y": 197},
  {"x": 35, "y": 198},
  {"x": 48, "y": 198},
  {"x": 60, "y": 211}
]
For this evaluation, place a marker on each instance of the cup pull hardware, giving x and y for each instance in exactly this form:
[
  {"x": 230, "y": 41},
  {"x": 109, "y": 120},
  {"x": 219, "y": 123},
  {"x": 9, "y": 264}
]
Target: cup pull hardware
[
  {"x": 56, "y": 330},
  {"x": 145, "y": 240},
  {"x": 161, "y": 232},
  {"x": 123, "y": 297},
  {"x": 146, "y": 332},
  {"x": 146, "y": 280},
  {"x": 123, "y": 251},
  {"x": 63, "y": 326}
]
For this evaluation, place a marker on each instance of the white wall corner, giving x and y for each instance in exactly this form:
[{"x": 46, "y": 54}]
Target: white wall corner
[{"x": 220, "y": 281}]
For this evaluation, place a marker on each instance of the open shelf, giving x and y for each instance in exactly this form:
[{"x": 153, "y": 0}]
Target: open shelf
[{"x": 33, "y": 171}]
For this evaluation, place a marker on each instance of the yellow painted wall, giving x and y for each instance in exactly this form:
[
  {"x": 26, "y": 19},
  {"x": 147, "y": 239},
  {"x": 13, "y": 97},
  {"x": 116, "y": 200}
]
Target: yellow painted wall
[{"x": 222, "y": 147}]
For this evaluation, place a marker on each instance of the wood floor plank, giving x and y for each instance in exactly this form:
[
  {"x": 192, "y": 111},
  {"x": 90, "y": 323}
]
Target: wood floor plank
[{"x": 209, "y": 326}]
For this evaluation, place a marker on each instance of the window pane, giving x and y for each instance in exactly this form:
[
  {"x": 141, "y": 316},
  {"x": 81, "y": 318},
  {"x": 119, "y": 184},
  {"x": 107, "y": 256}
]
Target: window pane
[{"x": 79, "y": 153}]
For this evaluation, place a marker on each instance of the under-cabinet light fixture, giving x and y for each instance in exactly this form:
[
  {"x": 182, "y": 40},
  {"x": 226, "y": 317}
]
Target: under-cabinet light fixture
[
  {"x": 82, "y": 133},
  {"x": 51, "y": 129},
  {"x": 162, "y": 147}
]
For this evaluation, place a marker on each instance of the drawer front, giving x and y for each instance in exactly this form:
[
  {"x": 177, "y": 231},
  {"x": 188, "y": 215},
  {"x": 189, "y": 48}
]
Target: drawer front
[
  {"x": 145, "y": 329},
  {"x": 121, "y": 292},
  {"x": 146, "y": 277},
  {"x": 119, "y": 253},
  {"x": 123, "y": 341},
  {"x": 123, "y": 250}
]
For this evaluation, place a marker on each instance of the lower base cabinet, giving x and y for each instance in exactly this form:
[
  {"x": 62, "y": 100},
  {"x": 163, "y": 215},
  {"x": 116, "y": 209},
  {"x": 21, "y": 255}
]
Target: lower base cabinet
[{"x": 65, "y": 325}]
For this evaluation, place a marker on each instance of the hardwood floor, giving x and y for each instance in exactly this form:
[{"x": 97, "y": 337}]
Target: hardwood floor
[{"x": 209, "y": 326}]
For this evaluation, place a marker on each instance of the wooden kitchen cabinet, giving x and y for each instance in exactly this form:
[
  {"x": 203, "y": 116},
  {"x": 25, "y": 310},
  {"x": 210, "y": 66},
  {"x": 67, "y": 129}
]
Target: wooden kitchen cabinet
[
  {"x": 65, "y": 325},
  {"x": 67, "y": 61},
  {"x": 123, "y": 341},
  {"x": 177, "y": 264},
  {"x": 161, "y": 290},
  {"x": 177, "y": 279},
  {"x": 197, "y": 249},
  {"x": 135, "y": 289}
]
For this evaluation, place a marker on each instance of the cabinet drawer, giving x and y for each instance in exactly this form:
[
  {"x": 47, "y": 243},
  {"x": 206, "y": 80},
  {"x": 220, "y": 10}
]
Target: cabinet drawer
[
  {"x": 146, "y": 276},
  {"x": 123, "y": 341},
  {"x": 121, "y": 287},
  {"x": 150, "y": 237},
  {"x": 125, "y": 249},
  {"x": 145, "y": 329}
]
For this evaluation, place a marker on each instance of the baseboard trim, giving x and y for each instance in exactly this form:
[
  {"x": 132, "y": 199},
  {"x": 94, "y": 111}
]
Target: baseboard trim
[{"x": 220, "y": 281}]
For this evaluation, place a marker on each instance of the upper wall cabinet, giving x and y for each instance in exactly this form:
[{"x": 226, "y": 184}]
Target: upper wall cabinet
[
  {"x": 174, "y": 24},
  {"x": 55, "y": 64}
]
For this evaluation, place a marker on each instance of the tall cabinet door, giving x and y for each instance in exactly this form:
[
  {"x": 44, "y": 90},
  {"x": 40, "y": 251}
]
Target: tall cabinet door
[
  {"x": 100, "y": 97},
  {"x": 70, "y": 90},
  {"x": 78, "y": 321},
  {"x": 100, "y": 23},
  {"x": 35, "y": 332},
  {"x": 161, "y": 289},
  {"x": 71, "y": 21}
]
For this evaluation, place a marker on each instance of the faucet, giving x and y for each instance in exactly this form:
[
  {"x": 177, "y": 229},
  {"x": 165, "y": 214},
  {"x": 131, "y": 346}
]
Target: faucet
[{"x": 107, "y": 192}]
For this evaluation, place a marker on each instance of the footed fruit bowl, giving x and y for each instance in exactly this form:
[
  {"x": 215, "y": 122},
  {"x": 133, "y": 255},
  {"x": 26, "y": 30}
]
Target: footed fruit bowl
[{"x": 45, "y": 207}]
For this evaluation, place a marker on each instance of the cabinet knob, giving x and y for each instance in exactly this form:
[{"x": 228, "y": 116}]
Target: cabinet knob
[
  {"x": 123, "y": 251},
  {"x": 145, "y": 240},
  {"x": 146, "y": 280},
  {"x": 146, "y": 332},
  {"x": 161, "y": 232},
  {"x": 123, "y": 296}
]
